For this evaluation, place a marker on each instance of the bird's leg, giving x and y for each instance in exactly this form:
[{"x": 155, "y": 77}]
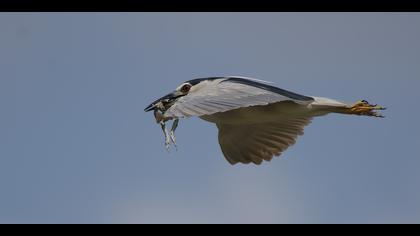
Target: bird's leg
[
  {"x": 365, "y": 108},
  {"x": 172, "y": 132}
]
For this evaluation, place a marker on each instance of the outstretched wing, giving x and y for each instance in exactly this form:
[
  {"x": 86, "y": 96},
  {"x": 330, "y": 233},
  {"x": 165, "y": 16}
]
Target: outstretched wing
[
  {"x": 260, "y": 141},
  {"x": 224, "y": 94}
]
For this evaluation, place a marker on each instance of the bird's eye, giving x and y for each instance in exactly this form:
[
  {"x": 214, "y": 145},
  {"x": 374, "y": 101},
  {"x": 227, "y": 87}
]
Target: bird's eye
[{"x": 185, "y": 88}]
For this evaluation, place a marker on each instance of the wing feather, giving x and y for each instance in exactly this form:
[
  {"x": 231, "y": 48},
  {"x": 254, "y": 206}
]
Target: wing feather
[
  {"x": 220, "y": 95},
  {"x": 261, "y": 141}
]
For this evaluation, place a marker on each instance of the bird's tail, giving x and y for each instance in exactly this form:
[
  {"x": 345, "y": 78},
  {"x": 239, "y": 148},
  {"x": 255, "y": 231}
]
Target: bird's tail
[{"x": 322, "y": 106}]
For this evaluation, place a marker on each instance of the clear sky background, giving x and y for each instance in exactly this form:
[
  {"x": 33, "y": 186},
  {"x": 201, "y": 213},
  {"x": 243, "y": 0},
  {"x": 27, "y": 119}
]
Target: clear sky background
[{"x": 77, "y": 147}]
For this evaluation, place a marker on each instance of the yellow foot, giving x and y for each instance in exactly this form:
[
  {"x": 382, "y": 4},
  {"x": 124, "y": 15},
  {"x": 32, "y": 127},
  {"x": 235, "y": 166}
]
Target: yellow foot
[{"x": 364, "y": 108}]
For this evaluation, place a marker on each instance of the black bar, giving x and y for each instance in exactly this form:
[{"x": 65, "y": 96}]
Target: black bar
[{"x": 210, "y": 5}]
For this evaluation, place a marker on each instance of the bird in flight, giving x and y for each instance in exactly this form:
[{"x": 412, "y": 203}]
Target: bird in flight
[{"x": 256, "y": 120}]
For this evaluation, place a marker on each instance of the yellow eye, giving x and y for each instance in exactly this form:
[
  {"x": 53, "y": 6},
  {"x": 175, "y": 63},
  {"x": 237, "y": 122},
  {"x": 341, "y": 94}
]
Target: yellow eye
[{"x": 185, "y": 88}]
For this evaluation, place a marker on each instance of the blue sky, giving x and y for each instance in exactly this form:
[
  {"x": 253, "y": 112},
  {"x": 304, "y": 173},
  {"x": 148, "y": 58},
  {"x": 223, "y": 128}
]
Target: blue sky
[{"x": 77, "y": 147}]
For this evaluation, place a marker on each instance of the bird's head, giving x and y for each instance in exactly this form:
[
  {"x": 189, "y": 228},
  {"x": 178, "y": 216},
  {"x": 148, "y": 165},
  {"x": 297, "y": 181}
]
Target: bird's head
[{"x": 164, "y": 103}]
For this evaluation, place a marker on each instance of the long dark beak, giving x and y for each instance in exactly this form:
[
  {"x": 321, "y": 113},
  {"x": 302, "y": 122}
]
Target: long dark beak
[
  {"x": 150, "y": 107},
  {"x": 165, "y": 99}
]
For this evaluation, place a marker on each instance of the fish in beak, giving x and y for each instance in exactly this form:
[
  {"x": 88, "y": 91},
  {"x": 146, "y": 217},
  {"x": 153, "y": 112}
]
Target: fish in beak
[{"x": 159, "y": 107}]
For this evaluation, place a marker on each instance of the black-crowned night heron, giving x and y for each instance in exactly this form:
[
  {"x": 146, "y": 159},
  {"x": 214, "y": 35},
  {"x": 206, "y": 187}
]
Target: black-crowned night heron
[{"x": 256, "y": 120}]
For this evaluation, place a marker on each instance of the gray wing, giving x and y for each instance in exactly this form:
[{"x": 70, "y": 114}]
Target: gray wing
[
  {"x": 257, "y": 142},
  {"x": 220, "y": 95}
]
